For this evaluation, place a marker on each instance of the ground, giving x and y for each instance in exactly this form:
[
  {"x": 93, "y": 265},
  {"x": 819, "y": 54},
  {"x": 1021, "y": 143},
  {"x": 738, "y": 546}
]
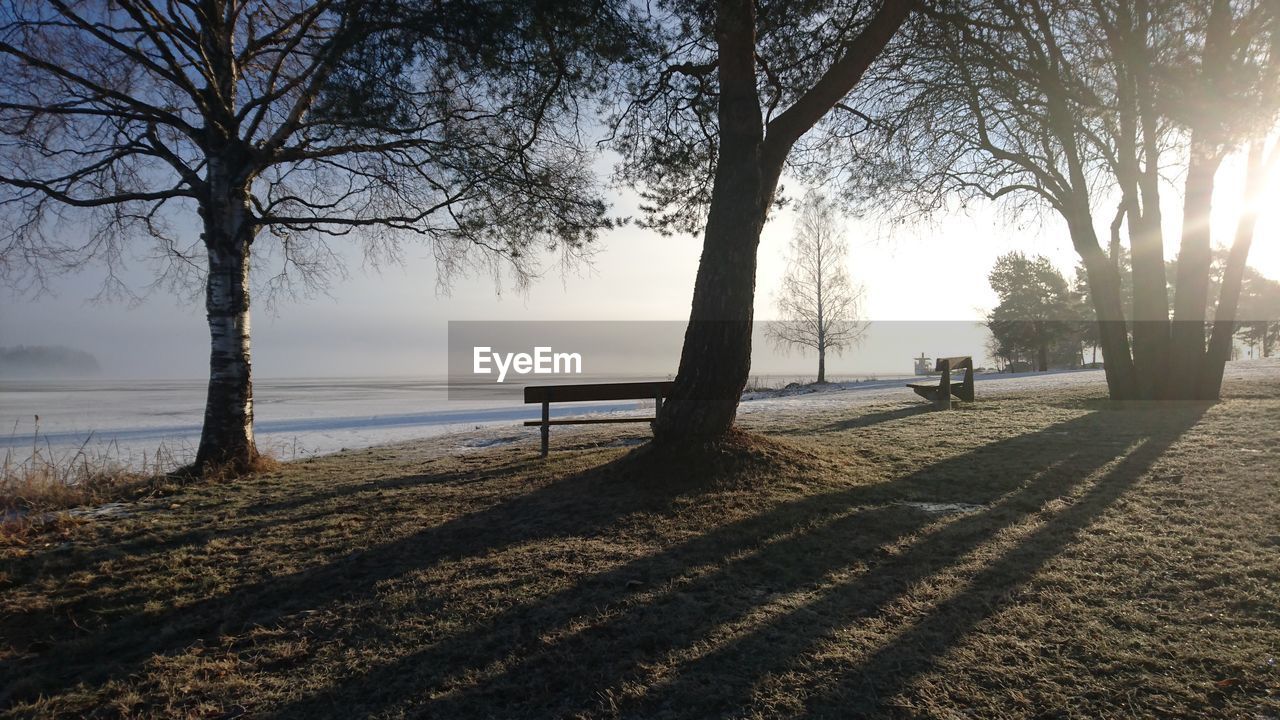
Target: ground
[{"x": 1039, "y": 553}]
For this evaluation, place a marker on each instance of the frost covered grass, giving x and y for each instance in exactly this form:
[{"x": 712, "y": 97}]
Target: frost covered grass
[
  {"x": 762, "y": 384},
  {"x": 1033, "y": 554}
]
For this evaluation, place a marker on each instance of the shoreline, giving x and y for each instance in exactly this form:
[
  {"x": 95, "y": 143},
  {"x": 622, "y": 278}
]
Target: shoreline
[{"x": 319, "y": 434}]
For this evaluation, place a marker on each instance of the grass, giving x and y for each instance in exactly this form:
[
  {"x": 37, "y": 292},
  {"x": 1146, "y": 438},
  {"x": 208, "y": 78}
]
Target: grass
[
  {"x": 35, "y": 487},
  {"x": 48, "y": 491},
  {"x": 1120, "y": 562}
]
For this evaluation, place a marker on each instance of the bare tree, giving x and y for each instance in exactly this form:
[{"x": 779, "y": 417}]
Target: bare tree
[
  {"x": 1073, "y": 106},
  {"x": 448, "y": 121},
  {"x": 818, "y": 305},
  {"x": 983, "y": 107}
]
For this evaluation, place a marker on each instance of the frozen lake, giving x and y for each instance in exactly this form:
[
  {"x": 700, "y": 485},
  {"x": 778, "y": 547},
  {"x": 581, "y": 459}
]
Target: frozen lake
[
  {"x": 132, "y": 419},
  {"x": 293, "y": 418}
]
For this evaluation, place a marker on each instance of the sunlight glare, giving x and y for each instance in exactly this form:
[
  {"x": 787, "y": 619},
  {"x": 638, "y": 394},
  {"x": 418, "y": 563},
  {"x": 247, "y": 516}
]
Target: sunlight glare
[{"x": 1229, "y": 202}]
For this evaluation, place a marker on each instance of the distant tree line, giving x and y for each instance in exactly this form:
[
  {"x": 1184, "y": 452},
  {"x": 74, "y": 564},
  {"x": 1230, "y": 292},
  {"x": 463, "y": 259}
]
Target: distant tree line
[
  {"x": 46, "y": 361},
  {"x": 1042, "y": 322},
  {"x": 1257, "y": 322}
]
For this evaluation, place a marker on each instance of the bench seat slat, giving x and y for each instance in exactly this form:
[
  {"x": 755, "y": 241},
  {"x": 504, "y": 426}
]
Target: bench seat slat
[
  {"x": 588, "y": 421},
  {"x": 597, "y": 391}
]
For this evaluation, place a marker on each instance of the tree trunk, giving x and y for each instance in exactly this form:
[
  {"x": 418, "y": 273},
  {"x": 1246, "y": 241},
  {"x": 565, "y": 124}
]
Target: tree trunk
[
  {"x": 1104, "y": 294},
  {"x": 1146, "y": 240},
  {"x": 1136, "y": 159},
  {"x": 1222, "y": 339},
  {"x": 1042, "y": 356},
  {"x": 227, "y": 438},
  {"x": 716, "y": 357},
  {"x": 1192, "y": 286},
  {"x": 822, "y": 365},
  {"x": 1150, "y": 308}
]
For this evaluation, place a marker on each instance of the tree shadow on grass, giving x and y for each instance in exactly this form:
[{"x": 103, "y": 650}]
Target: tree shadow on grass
[
  {"x": 834, "y": 552},
  {"x": 875, "y": 418},
  {"x": 788, "y": 641},
  {"x": 299, "y": 508},
  {"x": 859, "y": 689},
  {"x": 65, "y": 653},
  {"x": 714, "y": 615}
]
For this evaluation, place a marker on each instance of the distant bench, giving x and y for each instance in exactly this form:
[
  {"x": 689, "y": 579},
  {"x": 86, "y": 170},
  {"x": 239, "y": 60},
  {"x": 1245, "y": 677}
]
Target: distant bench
[
  {"x": 940, "y": 394},
  {"x": 547, "y": 394}
]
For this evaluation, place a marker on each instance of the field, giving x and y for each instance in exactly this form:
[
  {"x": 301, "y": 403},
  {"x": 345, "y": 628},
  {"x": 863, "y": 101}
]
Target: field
[{"x": 1040, "y": 553}]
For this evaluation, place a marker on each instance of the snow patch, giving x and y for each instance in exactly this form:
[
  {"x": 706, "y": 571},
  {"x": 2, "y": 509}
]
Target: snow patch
[
  {"x": 102, "y": 512},
  {"x": 945, "y": 508},
  {"x": 479, "y": 443}
]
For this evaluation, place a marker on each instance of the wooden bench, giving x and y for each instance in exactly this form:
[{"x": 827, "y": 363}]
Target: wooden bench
[
  {"x": 547, "y": 394},
  {"x": 940, "y": 394}
]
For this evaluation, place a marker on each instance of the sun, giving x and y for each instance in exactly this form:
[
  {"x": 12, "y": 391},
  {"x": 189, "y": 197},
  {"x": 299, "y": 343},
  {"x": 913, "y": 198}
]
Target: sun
[{"x": 1229, "y": 202}]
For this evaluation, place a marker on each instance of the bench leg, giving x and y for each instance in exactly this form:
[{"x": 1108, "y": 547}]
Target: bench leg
[
  {"x": 943, "y": 399},
  {"x": 657, "y": 410},
  {"x": 546, "y": 428}
]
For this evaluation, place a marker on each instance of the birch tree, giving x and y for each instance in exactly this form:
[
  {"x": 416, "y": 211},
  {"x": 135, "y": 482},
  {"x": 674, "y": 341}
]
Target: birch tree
[
  {"x": 818, "y": 305},
  {"x": 284, "y": 125}
]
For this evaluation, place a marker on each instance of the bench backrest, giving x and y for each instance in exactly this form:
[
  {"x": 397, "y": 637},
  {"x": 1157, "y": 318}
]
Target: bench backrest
[
  {"x": 954, "y": 363},
  {"x": 598, "y": 391}
]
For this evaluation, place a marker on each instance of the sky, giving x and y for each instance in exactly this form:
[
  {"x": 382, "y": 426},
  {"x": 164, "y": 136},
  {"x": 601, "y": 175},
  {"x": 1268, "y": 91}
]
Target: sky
[{"x": 393, "y": 320}]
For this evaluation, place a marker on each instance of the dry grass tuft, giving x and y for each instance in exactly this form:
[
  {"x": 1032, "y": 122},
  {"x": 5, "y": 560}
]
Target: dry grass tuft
[
  {"x": 36, "y": 492},
  {"x": 46, "y": 481},
  {"x": 225, "y": 472}
]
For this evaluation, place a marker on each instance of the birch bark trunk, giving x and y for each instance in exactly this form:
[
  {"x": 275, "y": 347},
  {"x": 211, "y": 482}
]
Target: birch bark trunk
[{"x": 227, "y": 438}]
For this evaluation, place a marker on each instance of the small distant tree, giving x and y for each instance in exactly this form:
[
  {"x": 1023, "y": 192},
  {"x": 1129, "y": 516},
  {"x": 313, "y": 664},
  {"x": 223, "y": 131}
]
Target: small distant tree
[
  {"x": 1036, "y": 311},
  {"x": 998, "y": 351},
  {"x": 818, "y": 305}
]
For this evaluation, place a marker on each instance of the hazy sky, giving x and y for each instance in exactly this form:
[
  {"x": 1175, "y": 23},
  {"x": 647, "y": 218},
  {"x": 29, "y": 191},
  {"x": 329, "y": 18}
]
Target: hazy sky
[{"x": 393, "y": 321}]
